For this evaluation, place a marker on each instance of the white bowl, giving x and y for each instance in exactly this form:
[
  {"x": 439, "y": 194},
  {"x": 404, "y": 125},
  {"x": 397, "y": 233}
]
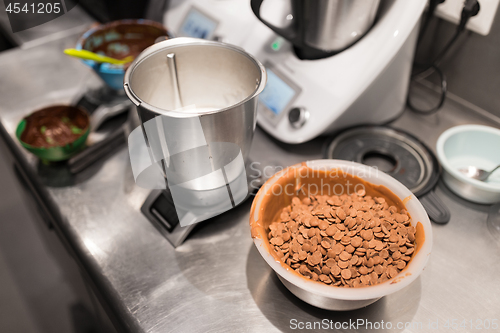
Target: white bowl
[
  {"x": 471, "y": 145},
  {"x": 339, "y": 298}
]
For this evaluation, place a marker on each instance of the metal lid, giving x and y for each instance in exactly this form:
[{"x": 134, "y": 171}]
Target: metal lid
[{"x": 394, "y": 152}]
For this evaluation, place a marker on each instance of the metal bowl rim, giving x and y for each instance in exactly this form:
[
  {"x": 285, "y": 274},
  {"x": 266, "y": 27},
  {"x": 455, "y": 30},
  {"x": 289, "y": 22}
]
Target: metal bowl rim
[{"x": 415, "y": 266}]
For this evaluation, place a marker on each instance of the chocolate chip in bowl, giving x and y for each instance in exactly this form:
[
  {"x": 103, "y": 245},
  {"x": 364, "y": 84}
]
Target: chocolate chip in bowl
[
  {"x": 348, "y": 240},
  {"x": 340, "y": 235}
]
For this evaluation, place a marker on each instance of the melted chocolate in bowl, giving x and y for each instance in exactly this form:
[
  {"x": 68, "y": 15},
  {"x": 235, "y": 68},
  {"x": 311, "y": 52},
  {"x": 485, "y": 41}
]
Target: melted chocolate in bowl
[
  {"x": 121, "y": 39},
  {"x": 55, "y": 126}
]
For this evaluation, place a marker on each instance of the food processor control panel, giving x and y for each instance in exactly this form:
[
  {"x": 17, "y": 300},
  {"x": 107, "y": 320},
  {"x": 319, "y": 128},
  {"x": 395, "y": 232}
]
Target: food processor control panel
[
  {"x": 198, "y": 25},
  {"x": 278, "y": 96},
  {"x": 296, "y": 93},
  {"x": 225, "y": 21}
]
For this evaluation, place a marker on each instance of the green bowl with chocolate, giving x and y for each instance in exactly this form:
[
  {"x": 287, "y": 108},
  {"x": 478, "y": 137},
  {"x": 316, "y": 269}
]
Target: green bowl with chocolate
[{"x": 54, "y": 133}]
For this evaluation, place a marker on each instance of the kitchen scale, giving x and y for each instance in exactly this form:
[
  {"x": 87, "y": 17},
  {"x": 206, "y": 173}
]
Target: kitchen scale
[
  {"x": 160, "y": 210},
  {"x": 364, "y": 84}
]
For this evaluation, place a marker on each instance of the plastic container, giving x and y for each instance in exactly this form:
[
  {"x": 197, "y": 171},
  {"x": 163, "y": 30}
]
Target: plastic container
[{"x": 471, "y": 145}]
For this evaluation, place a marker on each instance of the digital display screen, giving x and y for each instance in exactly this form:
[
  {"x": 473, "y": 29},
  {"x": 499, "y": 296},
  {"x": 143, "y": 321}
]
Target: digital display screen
[
  {"x": 197, "y": 25},
  {"x": 277, "y": 94}
]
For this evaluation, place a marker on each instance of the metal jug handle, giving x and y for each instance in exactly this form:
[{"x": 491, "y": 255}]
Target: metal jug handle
[
  {"x": 289, "y": 33},
  {"x": 161, "y": 39}
]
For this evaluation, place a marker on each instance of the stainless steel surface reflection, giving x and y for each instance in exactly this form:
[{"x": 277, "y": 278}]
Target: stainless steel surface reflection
[{"x": 217, "y": 281}]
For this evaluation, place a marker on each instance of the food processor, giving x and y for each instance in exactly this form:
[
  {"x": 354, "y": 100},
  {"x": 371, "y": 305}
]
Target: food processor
[{"x": 354, "y": 81}]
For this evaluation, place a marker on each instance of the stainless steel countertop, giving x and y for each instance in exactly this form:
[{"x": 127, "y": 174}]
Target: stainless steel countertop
[{"x": 217, "y": 281}]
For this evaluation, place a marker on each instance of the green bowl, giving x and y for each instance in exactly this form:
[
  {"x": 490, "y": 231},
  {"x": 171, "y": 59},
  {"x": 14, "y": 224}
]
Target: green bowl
[{"x": 57, "y": 153}]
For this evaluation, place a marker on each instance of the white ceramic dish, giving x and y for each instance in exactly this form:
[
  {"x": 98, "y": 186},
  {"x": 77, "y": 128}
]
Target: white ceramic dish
[
  {"x": 476, "y": 145},
  {"x": 336, "y": 298}
]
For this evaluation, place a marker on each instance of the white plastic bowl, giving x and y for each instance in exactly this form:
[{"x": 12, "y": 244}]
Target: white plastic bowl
[
  {"x": 476, "y": 145},
  {"x": 339, "y": 298}
]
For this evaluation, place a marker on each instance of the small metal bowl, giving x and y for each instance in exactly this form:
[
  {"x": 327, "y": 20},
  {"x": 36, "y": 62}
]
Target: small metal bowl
[
  {"x": 268, "y": 202},
  {"x": 56, "y": 153},
  {"x": 471, "y": 145}
]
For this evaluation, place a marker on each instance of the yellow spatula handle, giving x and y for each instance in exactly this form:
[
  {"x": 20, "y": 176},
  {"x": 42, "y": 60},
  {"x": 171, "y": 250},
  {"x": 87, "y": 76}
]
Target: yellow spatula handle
[{"x": 87, "y": 55}]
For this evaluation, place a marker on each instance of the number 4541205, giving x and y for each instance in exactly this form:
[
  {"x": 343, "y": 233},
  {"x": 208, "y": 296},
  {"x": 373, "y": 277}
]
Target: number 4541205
[
  {"x": 39, "y": 8},
  {"x": 477, "y": 324}
]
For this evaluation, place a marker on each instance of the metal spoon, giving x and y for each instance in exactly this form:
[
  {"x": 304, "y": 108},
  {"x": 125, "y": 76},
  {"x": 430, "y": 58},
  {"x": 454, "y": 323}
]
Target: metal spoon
[{"x": 476, "y": 173}]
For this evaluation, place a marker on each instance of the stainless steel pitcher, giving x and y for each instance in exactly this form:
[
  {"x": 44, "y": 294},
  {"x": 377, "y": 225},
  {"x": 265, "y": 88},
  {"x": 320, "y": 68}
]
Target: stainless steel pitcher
[
  {"x": 197, "y": 104},
  {"x": 325, "y": 25}
]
